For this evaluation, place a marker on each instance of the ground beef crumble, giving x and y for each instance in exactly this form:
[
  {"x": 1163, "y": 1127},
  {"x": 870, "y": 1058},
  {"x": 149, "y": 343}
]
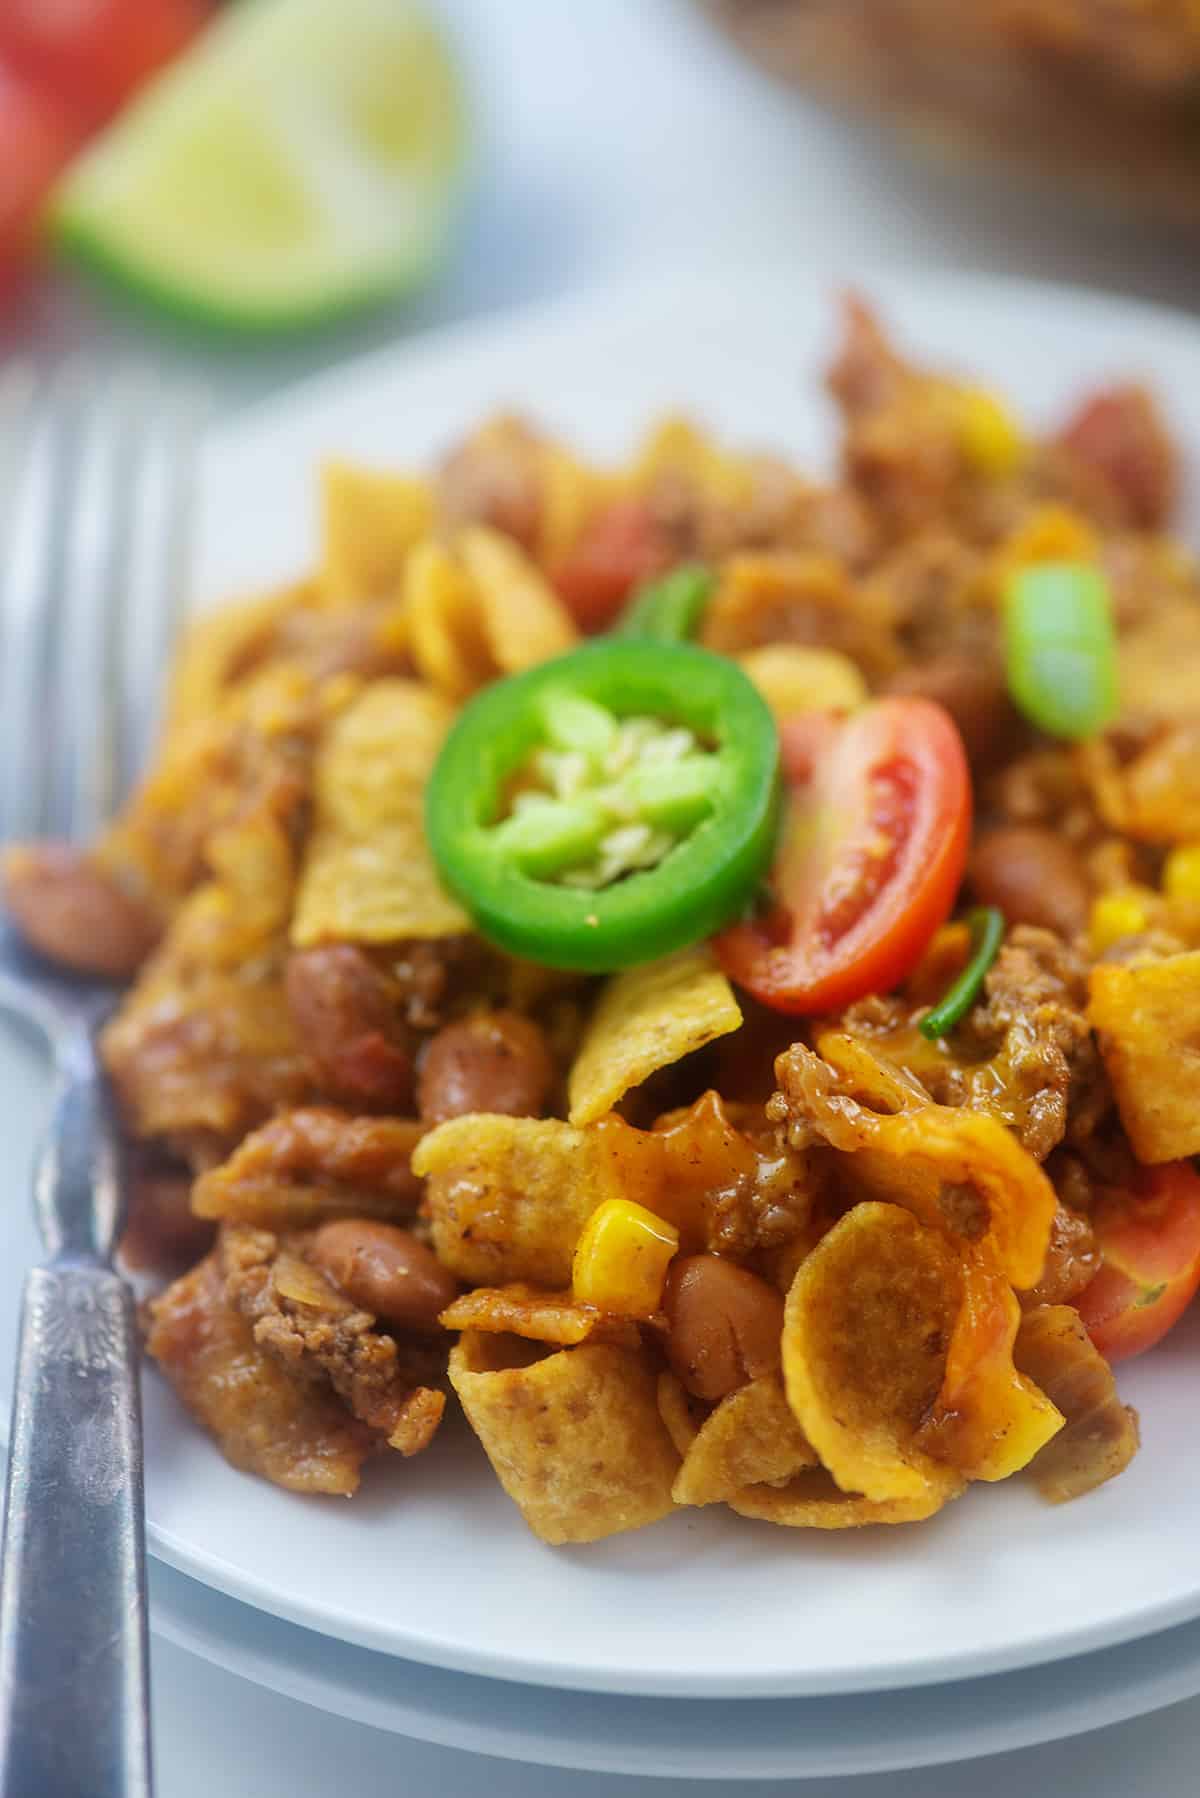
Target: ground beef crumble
[{"x": 383, "y": 1381}]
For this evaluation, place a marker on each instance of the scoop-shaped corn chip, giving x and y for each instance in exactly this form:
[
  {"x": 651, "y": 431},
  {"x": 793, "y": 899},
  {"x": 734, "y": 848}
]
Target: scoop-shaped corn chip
[
  {"x": 1147, "y": 1018},
  {"x": 368, "y": 876},
  {"x": 249, "y": 754},
  {"x": 253, "y": 860},
  {"x": 799, "y": 677},
  {"x": 989, "y": 1420},
  {"x": 309, "y": 1165},
  {"x": 522, "y": 619},
  {"x": 751, "y": 1438},
  {"x": 1153, "y": 795},
  {"x": 203, "y": 1044},
  {"x": 508, "y": 1197},
  {"x": 221, "y": 645},
  {"x": 576, "y": 1439},
  {"x": 520, "y": 1310},
  {"x": 953, "y": 1168},
  {"x": 1100, "y": 1436},
  {"x": 789, "y": 596},
  {"x": 677, "y": 448},
  {"x": 446, "y": 635},
  {"x": 370, "y": 520},
  {"x": 956, "y": 1166},
  {"x": 867, "y": 1326},
  {"x": 813, "y": 1501},
  {"x": 808, "y": 1499},
  {"x": 677, "y": 1411},
  {"x": 1159, "y": 657},
  {"x": 570, "y": 493},
  {"x": 649, "y": 1018}
]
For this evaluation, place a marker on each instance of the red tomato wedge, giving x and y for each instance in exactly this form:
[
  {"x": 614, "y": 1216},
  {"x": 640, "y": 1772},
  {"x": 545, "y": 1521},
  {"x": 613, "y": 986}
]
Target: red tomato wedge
[
  {"x": 872, "y": 855},
  {"x": 1150, "y": 1243},
  {"x": 92, "y": 54},
  {"x": 37, "y": 137},
  {"x": 623, "y": 546}
]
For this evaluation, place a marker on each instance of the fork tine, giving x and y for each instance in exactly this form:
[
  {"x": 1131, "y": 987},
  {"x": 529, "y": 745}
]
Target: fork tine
[
  {"x": 164, "y": 564},
  {"x": 43, "y": 497},
  {"x": 18, "y": 384},
  {"x": 101, "y": 485},
  {"x": 18, "y": 388},
  {"x": 103, "y": 631}
]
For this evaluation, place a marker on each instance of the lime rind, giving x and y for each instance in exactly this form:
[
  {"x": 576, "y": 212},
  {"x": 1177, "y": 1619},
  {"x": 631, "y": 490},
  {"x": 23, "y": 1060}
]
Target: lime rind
[{"x": 302, "y": 163}]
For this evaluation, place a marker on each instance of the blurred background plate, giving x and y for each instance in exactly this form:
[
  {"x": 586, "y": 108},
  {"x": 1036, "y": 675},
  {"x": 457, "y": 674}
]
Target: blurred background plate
[{"x": 1101, "y": 94}]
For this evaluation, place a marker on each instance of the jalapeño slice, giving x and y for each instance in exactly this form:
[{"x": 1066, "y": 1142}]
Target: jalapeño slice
[{"x": 609, "y": 806}]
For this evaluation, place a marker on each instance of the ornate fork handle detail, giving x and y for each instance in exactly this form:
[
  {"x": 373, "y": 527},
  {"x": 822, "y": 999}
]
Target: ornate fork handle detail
[{"x": 72, "y": 1611}]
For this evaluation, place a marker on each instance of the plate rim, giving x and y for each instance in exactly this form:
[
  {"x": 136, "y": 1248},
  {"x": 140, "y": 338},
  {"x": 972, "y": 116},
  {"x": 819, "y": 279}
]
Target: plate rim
[{"x": 1032, "y": 1711}]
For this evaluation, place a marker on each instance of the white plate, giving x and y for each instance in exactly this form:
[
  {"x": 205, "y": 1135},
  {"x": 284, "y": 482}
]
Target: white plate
[
  {"x": 747, "y": 1738},
  {"x": 430, "y": 1561}
]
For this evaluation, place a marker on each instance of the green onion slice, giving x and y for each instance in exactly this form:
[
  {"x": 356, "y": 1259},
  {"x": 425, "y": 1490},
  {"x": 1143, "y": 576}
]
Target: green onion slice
[
  {"x": 1060, "y": 647},
  {"x": 669, "y": 610},
  {"x": 987, "y": 933}
]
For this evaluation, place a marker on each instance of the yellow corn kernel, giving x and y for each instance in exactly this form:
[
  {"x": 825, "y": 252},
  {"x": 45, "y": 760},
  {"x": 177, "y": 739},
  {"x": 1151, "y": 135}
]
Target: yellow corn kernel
[
  {"x": 621, "y": 1259},
  {"x": 988, "y": 434},
  {"x": 1181, "y": 873},
  {"x": 1121, "y": 913},
  {"x": 794, "y": 677},
  {"x": 1052, "y": 533}
]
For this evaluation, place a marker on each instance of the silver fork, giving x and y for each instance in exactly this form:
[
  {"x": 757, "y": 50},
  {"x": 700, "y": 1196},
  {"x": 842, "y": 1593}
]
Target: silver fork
[{"x": 94, "y": 494}]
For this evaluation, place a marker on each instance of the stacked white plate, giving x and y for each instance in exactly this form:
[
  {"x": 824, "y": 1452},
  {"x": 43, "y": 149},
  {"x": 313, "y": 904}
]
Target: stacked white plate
[{"x": 707, "y": 1645}]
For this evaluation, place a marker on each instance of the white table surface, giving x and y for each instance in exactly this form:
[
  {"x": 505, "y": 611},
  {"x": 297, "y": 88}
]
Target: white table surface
[{"x": 620, "y": 135}]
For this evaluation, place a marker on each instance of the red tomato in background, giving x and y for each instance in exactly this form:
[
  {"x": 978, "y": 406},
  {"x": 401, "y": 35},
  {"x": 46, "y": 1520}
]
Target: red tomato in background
[
  {"x": 92, "y": 54},
  {"x": 1150, "y": 1243},
  {"x": 623, "y": 546},
  {"x": 37, "y": 138},
  {"x": 872, "y": 855}
]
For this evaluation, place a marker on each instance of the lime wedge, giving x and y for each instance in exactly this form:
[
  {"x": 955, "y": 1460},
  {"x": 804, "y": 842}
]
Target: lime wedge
[{"x": 301, "y": 161}]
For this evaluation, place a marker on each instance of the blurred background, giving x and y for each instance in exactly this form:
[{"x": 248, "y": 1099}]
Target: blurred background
[{"x": 256, "y": 188}]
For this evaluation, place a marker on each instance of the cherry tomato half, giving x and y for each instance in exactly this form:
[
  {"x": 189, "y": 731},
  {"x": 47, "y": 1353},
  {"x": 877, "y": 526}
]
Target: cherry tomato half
[
  {"x": 872, "y": 855},
  {"x": 37, "y": 137},
  {"x": 1150, "y": 1243},
  {"x": 92, "y": 54},
  {"x": 623, "y": 546}
]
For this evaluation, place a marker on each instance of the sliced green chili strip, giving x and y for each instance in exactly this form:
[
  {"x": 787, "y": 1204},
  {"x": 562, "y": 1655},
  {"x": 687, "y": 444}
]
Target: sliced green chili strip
[
  {"x": 1061, "y": 648},
  {"x": 669, "y": 609},
  {"x": 607, "y": 807},
  {"x": 987, "y": 933}
]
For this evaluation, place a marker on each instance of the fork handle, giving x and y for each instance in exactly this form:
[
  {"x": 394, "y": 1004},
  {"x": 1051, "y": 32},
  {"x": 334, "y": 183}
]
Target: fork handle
[{"x": 74, "y": 1687}]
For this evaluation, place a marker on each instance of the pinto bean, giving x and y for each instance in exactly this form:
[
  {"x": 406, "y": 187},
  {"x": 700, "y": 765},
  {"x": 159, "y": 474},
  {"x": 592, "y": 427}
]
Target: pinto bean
[
  {"x": 724, "y": 1325},
  {"x": 494, "y": 1061},
  {"x": 974, "y": 693},
  {"x": 348, "y": 1020},
  {"x": 385, "y": 1270},
  {"x": 1032, "y": 876},
  {"x": 494, "y": 478},
  {"x": 71, "y": 910},
  {"x": 1120, "y": 434}
]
